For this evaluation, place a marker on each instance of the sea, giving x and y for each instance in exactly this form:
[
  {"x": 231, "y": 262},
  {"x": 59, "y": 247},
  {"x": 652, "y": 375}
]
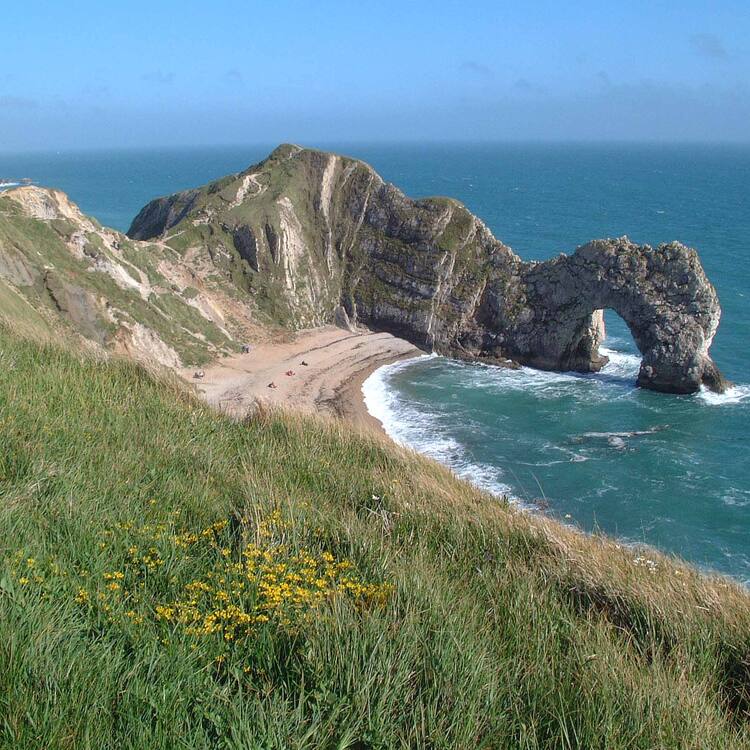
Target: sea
[{"x": 593, "y": 450}]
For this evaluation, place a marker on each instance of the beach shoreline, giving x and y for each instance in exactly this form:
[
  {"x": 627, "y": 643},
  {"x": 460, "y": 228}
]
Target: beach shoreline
[{"x": 337, "y": 363}]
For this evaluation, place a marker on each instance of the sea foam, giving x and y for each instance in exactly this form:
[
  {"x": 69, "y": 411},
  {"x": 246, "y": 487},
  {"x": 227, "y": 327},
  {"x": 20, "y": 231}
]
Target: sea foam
[
  {"x": 420, "y": 431},
  {"x": 733, "y": 395},
  {"x": 621, "y": 364}
]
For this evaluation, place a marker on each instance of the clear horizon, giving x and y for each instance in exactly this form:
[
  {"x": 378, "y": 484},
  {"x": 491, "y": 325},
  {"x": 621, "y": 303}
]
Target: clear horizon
[
  {"x": 190, "y": 75},
  {"x": 338, "y": 146}
]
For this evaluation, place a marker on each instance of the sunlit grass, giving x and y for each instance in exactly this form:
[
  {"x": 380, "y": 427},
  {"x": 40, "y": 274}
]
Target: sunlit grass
[{"x": 171, "y": 578}]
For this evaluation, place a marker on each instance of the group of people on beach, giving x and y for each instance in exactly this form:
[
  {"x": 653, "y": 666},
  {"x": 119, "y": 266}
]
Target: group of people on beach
[
  {"x": 289, "y": 374},
  {"x": 246, "y": 349}
]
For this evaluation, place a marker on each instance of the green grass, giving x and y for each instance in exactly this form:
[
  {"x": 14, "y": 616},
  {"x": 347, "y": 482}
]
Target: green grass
[
  {"x": 17, "y": 312},
  {"x": 449, "y": 620}
]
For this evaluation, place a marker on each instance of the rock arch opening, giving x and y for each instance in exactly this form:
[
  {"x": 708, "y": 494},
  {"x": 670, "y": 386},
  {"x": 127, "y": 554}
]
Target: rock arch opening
[
  {"x": 662, "y": 295},
  {"x": 617, "y": 347}
]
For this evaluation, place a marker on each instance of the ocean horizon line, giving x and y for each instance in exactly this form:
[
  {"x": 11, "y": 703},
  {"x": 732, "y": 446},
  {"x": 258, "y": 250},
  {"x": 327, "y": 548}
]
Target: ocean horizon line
[{"x": 407, "y": 143}]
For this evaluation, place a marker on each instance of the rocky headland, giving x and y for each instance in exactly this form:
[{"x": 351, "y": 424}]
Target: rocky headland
[
  {"x": 307, "y": 238},
  {"x": 313, "y": 237}
]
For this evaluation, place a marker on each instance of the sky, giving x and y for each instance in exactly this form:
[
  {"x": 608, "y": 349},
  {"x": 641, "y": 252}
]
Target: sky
[{"x": 92, "y": 74}]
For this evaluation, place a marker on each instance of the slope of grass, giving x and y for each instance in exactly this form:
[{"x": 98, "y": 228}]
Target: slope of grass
[
  {"x": 173, "y": 579},
  {"x": 16, "y": 312},
  {"x": 42, "y": 245}
]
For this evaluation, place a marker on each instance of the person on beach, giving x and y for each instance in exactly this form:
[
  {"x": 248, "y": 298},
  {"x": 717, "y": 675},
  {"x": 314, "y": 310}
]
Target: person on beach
[{"x": 272, "y": 385}]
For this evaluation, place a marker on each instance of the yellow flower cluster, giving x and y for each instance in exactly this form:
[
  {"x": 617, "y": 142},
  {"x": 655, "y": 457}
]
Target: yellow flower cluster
[
  {"x": 268, "y": 584},
  {"x": 187, "y": 539},
  {"x": 236, "y": 586}
]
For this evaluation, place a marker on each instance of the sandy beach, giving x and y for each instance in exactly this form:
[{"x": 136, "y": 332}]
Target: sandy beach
[{"x": 337, "y": 363}]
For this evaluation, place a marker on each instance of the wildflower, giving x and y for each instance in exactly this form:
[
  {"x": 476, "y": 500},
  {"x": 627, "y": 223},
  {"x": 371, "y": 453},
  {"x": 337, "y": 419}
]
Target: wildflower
[{"x": 23, "y": 581}]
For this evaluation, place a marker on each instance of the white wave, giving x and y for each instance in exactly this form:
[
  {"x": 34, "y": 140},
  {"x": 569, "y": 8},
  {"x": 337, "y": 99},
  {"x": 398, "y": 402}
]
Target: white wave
[
  {"x": 4, "y": 185},
  {"x": 733, "y": 395},
  {"x": 736, "y": 497},
  {"x": 545, "y": 384},
  {"x": 620, "y": 363},
  {"x": 420, "y": 431},
  {"x": 492, "y": 379}
]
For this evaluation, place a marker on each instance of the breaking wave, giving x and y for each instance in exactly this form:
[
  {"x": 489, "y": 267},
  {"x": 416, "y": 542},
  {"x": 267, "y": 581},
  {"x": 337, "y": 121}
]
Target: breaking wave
[
  {"x": 733, "y": 395},
  {"x": 421, "y": 431}
]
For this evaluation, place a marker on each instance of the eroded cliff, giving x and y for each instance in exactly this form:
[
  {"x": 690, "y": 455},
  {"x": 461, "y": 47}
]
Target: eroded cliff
[
  {"x": 62, "y": 273},
  {"x": 306, "y": 232}
]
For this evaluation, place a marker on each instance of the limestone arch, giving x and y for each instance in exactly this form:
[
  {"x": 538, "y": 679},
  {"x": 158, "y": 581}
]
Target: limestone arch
[{"x": 661, "y": 294}]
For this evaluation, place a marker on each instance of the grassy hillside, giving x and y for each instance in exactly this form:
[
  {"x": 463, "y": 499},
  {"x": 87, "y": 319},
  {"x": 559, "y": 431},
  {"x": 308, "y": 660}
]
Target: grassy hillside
[
  {"x": 61, "y": 269},
  {"x": 173, "y": 579}
]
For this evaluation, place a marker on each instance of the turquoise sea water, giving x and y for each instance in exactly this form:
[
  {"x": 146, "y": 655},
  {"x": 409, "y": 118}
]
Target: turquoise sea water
[{"x": 672, "y": 471}]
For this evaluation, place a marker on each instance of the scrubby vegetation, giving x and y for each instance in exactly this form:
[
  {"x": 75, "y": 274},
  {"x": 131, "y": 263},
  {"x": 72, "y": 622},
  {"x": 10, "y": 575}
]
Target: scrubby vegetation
[
  {"x": 84, "y": 292},
  {"x": 173, "y": 579}
]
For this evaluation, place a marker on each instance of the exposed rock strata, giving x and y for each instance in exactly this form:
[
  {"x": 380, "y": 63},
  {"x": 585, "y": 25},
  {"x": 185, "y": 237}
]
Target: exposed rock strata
[
  {"x": 142, "y": 299},
  {"x": 309, "y": 231}
]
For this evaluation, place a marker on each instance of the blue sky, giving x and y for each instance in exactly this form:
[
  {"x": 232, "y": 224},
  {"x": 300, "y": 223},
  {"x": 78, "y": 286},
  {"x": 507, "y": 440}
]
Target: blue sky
[{"x": 87, "y": 73}]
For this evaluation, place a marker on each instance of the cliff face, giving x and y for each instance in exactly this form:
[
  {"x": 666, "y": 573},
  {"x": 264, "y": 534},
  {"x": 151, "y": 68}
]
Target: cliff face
[
  {"x": 62, "y": 272},
  {"x": 304, "y": 233},
  {"x": 306, "y": 238}
]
